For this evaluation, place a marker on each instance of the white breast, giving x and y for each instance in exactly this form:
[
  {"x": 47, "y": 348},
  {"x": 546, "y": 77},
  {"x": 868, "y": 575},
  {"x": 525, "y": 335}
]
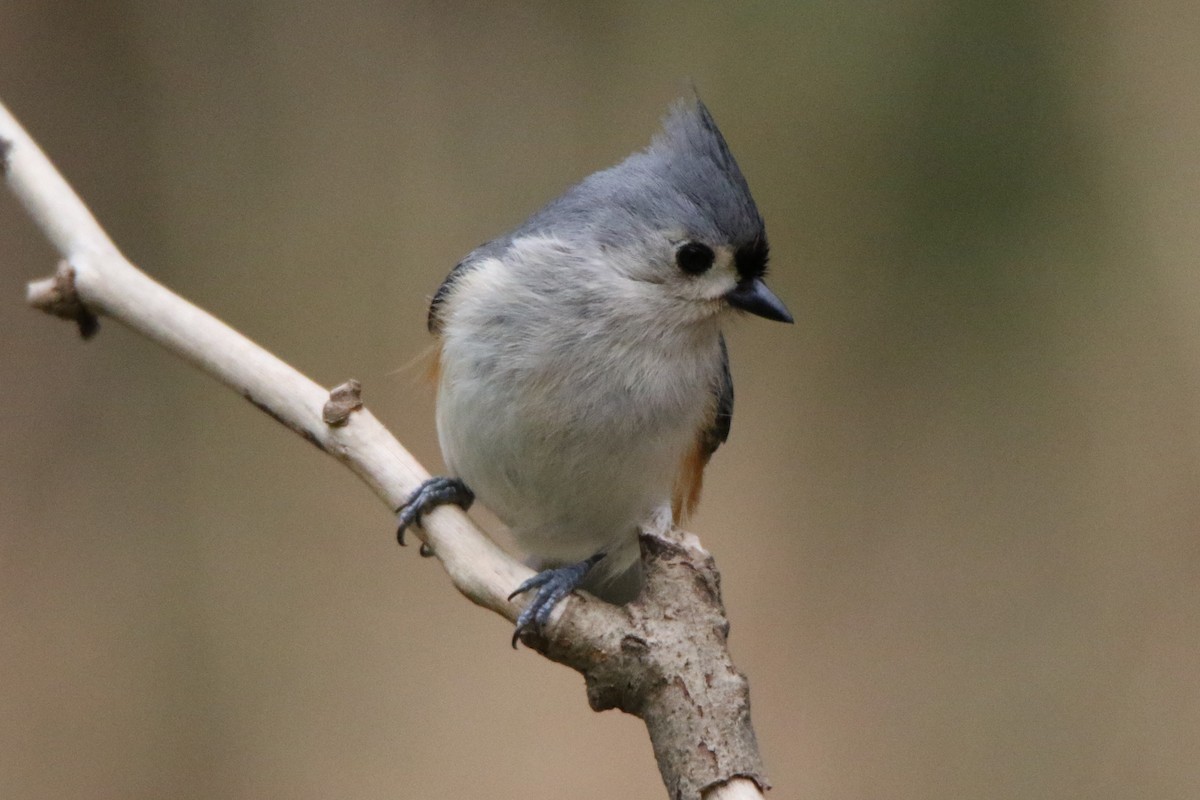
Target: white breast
[{"x": 566, "y": 414}]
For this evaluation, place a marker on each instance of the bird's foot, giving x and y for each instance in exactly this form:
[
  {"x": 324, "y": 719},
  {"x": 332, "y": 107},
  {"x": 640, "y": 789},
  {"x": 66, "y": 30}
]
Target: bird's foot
[
  {"x": 552, "y": 586},
  {"x": 428, "y": 496}
]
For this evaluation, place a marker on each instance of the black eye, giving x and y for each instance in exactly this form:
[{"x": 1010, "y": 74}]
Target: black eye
[{"x": 694, "y": 257}]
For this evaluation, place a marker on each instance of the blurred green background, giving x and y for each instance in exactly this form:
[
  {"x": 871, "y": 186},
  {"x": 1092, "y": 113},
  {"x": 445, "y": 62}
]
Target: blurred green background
[{"x": 958, "y": 516}]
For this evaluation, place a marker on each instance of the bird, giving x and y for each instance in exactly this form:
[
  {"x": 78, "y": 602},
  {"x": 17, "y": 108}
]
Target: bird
[{"x": 583, "y": 379}]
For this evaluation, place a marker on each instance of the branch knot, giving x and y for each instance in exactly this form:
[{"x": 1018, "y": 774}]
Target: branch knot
[
  {"x": 58, "y": 296},
  {"x": 343, "y": 400},
  {"x": 664, "y": 658}
]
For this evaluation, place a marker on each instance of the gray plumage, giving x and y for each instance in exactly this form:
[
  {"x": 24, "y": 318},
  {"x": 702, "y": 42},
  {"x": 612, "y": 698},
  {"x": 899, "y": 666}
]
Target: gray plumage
[
  {"x": 686, "y": 176},
  {"x": 584, "y": 380}
]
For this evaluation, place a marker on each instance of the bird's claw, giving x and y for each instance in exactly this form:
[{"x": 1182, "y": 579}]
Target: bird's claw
[
  {"x": 428, "y": 496},
  {"x": 552, "y": 586}
]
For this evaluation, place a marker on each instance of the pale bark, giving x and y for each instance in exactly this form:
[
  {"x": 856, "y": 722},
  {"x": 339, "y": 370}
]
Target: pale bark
[{"x": 662, "y": 657}]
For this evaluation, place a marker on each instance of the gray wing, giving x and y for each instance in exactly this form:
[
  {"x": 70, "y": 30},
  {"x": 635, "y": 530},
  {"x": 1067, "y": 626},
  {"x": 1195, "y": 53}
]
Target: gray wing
[
  {"x": 717, "y": 432},
  {"x": 686, "y": 492},
  {"x": 492, "y": 249}
]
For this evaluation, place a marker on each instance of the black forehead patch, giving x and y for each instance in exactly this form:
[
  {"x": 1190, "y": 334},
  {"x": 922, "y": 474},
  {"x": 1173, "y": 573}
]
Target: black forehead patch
[{"x": 751, "y": 259}]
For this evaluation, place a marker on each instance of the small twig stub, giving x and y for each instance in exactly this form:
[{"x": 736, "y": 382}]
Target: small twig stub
[
  {"x": 59, "y": 297},
  {"x": 343, "y": 400}
]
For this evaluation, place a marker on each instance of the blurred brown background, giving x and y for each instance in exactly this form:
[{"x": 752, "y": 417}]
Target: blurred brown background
[{"x": 957, "y": 519}]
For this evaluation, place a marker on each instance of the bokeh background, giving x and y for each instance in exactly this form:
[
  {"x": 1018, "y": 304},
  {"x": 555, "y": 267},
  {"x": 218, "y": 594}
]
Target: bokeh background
[{"x": 959, "y": 516}]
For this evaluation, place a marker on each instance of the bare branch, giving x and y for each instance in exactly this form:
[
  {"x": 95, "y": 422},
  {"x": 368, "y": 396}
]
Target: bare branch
[
  {"x": 662, "y": 658},
  {"x": 95, "y": 278}
]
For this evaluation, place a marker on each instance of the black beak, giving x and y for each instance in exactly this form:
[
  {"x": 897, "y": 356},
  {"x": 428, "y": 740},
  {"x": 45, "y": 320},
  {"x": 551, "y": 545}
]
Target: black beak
[{"x": 754, "y": 297}]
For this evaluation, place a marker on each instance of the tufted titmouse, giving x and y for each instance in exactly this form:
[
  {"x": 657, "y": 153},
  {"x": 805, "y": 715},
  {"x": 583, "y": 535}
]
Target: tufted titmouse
[{"x": 583, "y": 381}]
